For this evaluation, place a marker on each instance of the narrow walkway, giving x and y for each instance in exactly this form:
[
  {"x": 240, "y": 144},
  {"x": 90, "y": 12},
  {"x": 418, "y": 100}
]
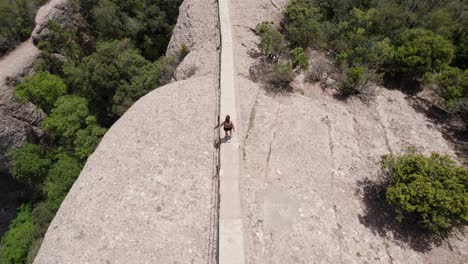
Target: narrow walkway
[{"x": 231, "y": 236}]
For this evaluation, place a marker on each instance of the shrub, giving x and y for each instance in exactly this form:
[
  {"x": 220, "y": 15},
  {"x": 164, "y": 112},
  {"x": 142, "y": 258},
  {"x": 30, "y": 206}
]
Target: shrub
[
  {"x": 452, "y": 83},
  {"x": 299, "y": 58},
  {"x": 42, "y": 89},
  {"x": 301, "y": 21},
  {"x": 184, "y": 51},
  {"x": 29, "y": 164},
  {"x": 271, "y": 41},
  {"x": 59, "y": 180},
  {"x": 87, "y": 139},
  {"x": 17, "y": 241},
  {"x": 281, "y": 76},
  {"x": 419, "y": 51},
  {"x": 433, "y": 189},
  {"x": 67, "y": 118},
  {"x": 353, "y": 82}
]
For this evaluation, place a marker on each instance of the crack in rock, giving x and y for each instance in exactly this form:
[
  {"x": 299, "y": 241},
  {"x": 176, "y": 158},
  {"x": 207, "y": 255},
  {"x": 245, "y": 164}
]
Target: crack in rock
[{"x": 270, "y": 145}]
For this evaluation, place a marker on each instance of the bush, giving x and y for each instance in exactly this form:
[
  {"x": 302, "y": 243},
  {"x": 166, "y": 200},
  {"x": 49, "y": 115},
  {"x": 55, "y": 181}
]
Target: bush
[
  {"x": 59, "y": 180},
  {"x": 17, "y": 241},
  {"x": 67, "y": 118},
  {"x": 281, "y": 76},
  {"x": 452, "y": 83},
  {"x": 29, "y": 164},
  {"x": 432, "y": 189},
  {"x": 419, "y": 51},
  {"x": 42, "y": 89},
  {"x": 271, "y": 41},
  {"x": 301, "y": 21},
  {"x": 299, "y": 58},
  {"x": 353, "y": 82},
  {"x": 87, "y": 139}
]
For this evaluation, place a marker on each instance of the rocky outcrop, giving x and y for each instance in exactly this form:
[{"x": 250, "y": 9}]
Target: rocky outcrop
[
  {"x": 145, "y": 194},
  {"x": 61, "y": 11},
  {"x": 20, "y": 122}
]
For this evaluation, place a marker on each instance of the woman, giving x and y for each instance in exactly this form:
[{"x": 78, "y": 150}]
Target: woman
[{"x": 228, "y": 127}]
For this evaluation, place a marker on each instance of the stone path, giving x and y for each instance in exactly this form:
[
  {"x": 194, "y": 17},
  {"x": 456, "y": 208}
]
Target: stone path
[{"x": 231, "y": 237}]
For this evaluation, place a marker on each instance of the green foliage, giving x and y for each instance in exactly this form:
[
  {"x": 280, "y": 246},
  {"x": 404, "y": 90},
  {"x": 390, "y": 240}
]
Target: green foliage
[
  {"x": 433, "y": 189},
  {"x": 60, "y": 179},
  {"x": 147, "y": 22},
  {"x": 271, "y": 41},
  {"x": 353, "y": 82},
  {"x": 87, "y": 139},
  {"x": 115, "y": 76},
  {"x": 184, "y": 51},
  {"x": 299, "y": 58},
  {"x": 16, "y": 22},
  {"x": 42, "y": 89},
  {"x": 29, "y": 164},
  {"x": 452, "y": 83},
  {"x": 67, "y": 118},
  {"x": 301, "y": 21},
  {"x": 419, "y": 51},
  {"x": 16, "y": 242},
  {"x": 281, "y": 76}
]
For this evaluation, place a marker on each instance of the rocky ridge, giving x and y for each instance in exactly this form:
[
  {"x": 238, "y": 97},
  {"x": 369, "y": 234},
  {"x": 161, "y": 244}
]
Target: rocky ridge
[{"x": 145, "y": 194}]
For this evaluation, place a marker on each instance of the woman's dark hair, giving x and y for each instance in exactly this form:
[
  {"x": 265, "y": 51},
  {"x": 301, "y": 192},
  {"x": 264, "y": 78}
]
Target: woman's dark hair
[{"x": 228, "y": 118}]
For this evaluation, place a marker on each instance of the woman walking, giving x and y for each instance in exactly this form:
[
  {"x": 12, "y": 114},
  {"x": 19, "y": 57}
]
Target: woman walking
[{"x": 228, "y": 126}]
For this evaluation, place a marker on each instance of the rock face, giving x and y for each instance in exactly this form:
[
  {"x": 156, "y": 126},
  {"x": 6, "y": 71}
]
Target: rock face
[
  {"x": 307, "y": 163},
  {"x": 20, "y": 122},
  {"x": 145, "y": 194},
  {"x": 59, "y": 10}
]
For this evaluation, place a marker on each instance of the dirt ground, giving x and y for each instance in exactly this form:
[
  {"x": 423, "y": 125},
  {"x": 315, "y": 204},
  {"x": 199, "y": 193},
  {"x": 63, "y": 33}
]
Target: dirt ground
[{"x": 309, "y": 163}]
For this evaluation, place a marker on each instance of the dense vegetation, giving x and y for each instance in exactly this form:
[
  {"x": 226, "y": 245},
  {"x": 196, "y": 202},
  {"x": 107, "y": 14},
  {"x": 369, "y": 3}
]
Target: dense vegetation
[
  {"x": 16, "y": 21},
  {"x": 111, "y": 57},
  {"x": 408, "y": 40},
  {"x": 434, "y": 190}
]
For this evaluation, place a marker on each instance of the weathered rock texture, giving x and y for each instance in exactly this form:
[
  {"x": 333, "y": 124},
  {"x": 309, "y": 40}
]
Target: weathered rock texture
[
  {"x": 145, "y": 194},
  {"x": 20, "y": 122},
  {"x": 306, "y": 160}
]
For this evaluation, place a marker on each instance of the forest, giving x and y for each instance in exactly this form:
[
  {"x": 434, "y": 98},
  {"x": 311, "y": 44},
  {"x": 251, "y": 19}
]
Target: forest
[{"x": 86, "y": 77}]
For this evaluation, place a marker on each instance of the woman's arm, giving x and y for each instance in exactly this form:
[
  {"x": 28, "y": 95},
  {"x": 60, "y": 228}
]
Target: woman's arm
[{"x": 222, "y": 124}]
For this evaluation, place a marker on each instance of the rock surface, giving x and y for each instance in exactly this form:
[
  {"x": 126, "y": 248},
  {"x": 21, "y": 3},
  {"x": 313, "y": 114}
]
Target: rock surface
[
  {"x": 307, "y": 159},
  {"x": 145, "y": 194}
]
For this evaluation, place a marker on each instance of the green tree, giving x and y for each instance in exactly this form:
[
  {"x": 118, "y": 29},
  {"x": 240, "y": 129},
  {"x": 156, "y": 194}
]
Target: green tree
[
  {"x": 60, "y": 179},
  {"x": 299, "y": 58},
  {"x": 29, "y": 164},
  {"x": 271, "y": 41},
  {"x": 42, "y": 89},
  {"x": 301, "y": 21},
  {"x": 281, "y": 77},
  {"x": 115, "y": 76},
  {"x": 433, "y": 189},
  {"x": 452, "y": 83},
  {"x": 419, "y": 51},
  {"x": 87, "y": 139},
  {"x": 67, "y": 118},
  {"x": 17, "y": 241}
]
